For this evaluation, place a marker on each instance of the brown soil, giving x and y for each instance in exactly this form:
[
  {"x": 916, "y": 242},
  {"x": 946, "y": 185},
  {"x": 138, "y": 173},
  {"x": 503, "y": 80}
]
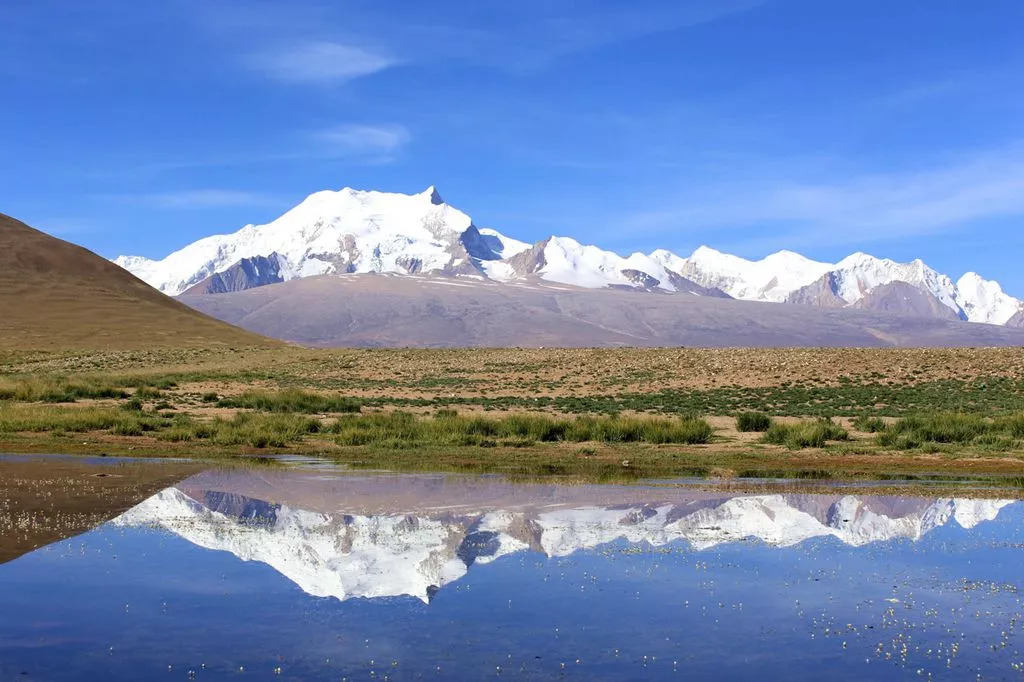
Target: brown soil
[
  {"x": 44, "y": 500},
  {"x": 526, "y": 372}
]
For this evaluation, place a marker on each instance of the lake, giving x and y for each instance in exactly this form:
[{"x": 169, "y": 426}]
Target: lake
[{"x": 312, "y": 573}]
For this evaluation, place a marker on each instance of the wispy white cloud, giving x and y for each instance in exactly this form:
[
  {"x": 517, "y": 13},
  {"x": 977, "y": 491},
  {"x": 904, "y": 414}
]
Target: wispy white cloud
[
  {"x": 200, "y": 199},
  {"x": 589, "y": 26},
  {"x": 353, "y": 143},
  {"x": 319, "y": 63},
  {"x": 528, "y": 34},
  {"x": 357, "y": 139},
  {"x": 852, "y": 211}
]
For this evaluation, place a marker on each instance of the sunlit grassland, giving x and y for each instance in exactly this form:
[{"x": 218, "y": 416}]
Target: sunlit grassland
[{"x": 835, "y": 412}]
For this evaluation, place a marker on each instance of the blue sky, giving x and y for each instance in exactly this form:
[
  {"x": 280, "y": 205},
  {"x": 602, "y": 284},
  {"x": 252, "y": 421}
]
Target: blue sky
[{"x": 894, "y": 127}]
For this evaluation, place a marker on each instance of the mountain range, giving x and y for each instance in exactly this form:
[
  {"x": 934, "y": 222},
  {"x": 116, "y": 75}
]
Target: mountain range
[
  {"x": 375, "y": 547},
  {"x": 363, "y": 232}
]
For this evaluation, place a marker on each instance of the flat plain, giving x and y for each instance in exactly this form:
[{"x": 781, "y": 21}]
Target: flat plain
[{"x": 595, "y": 413}]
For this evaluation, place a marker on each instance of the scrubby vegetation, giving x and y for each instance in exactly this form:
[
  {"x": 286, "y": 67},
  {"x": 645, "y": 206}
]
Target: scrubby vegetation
[
  {"x": 869, "y": 424},
  {"x": 502, "y": 408},
  {"x": 292, "y": 401},
  {"x": 399, "y": 429},
  {"x": 255, "y": 430},
  {"x": 55, "y": 419},
  {"x": 810, "y": 434},
  {"x": 58, "y": 389},
  {"x": 747, "y": 422},
  {"x": 447, "y": 426},
  {"x": 923, "y": 431}
]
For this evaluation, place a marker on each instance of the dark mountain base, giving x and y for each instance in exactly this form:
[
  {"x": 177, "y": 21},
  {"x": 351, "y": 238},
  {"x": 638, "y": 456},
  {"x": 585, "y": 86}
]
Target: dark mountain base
[{"x": 393, "y": 311}]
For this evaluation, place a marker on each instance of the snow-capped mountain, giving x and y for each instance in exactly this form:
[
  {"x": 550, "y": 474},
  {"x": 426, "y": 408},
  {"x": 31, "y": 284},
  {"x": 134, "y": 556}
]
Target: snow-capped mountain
[
  {"x": 393, "y": 554},
  {"x": 351, "y": 231},
  {"x": 337, "y": 232}
]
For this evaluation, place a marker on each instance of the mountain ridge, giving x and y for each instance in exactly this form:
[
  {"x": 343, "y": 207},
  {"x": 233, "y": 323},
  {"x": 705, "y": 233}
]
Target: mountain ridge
[{"x": 358, "y": 232}]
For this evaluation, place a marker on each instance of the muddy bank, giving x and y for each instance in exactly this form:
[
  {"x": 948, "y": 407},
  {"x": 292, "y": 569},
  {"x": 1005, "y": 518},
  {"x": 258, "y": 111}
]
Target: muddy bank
[{"x": 46, "y": 499}]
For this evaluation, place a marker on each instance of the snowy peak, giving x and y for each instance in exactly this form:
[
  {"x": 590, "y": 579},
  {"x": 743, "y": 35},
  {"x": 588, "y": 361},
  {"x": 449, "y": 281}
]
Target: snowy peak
[
  {"x": 772, "y": 278},
  {"x": 357, "y": 231},
  {"x": 433, "y": 195},
  {"x": 402, "y": 553},
  {"x": 330, "y": 232},
  {"x": 985, "y": 301}
]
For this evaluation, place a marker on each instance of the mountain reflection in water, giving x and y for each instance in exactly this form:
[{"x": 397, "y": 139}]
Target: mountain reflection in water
[{"x": 385, "y": 536}]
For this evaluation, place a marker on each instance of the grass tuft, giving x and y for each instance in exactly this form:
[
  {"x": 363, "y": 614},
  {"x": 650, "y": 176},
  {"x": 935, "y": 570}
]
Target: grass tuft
[
  {"x": 747, "y": 422},
  {"x": 292, "y": 401},
  {"x": 869, "y": 424},
  {"x": 813, "y": 434}
]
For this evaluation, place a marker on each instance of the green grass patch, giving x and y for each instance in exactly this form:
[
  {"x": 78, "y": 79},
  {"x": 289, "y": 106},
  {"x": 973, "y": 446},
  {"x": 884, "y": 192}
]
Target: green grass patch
[
  {"x": 51, "y": 418},
  {"x": 812, "y": 434},
  {"x": 869, "y": 424},
  {"x": 747, "y": 422},
  {"x": 147, "y": 393},
  {"x": 292, "y": 401},
  {"x": 990, "y": 396},
  {"x": 517, "y": 430},
  {"x": 57, "y": 390},
  {"x": 255, "y": 430},
  {"x": 926, "y": 431}
]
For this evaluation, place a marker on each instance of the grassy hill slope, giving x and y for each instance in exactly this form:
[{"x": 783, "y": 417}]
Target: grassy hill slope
[{"x": 55, "y": 295}]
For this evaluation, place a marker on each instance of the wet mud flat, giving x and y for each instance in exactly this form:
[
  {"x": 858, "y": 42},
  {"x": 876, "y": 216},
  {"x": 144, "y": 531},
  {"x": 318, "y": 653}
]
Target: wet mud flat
[
  {"x": 309, "y": 573},
  {"x": 44, "y": 499}
]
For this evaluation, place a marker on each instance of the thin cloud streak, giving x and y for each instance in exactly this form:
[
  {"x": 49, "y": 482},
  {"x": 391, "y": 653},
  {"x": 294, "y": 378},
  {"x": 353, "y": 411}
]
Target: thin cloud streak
[
  {"x": 530, "y": 34},
  {"x": 358, "y": 144},
  {"x": 354, "y": 139},
  {"x": 199, "y": 199},
  {"x": 589, "y": 30},
  {"x": 862, "y": 210},
  {"x": 319, "y": 63}
]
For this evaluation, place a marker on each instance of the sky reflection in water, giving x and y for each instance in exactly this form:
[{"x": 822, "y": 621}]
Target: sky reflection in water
[{"x": 311, "y": 575}]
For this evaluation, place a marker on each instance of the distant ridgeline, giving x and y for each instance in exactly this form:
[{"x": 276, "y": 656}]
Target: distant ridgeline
[{"x": 355, "y": 232}]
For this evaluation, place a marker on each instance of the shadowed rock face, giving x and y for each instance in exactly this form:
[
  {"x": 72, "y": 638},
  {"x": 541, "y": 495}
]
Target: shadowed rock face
[
  {"x": 1017, "y": 321},
  {"x": 901, "y": 298},
  {"x": 641, "y": 279},
  {"x": 247, "y": 273},
  {"x": 896, "y": 298},
  {"x": 390, "y": 310},
  {"x": 822, "y": 293},
  {"x": 688, "y": 286},
  {"x": 530, "y": 261}
]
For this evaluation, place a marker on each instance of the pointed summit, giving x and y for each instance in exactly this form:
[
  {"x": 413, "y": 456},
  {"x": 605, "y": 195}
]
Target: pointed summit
[{"x": 434, "y": 196}]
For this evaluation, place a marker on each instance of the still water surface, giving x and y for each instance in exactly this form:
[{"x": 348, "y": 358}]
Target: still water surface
[{"x": 309, "y": 574}]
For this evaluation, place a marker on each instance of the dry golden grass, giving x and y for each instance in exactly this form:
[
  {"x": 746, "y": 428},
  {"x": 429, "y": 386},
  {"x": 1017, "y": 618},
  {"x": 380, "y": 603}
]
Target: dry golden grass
[{"x": 523, "y": 372}]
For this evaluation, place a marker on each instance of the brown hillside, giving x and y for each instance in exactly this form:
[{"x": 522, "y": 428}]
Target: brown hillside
[{"x": 54, "y": 294}]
